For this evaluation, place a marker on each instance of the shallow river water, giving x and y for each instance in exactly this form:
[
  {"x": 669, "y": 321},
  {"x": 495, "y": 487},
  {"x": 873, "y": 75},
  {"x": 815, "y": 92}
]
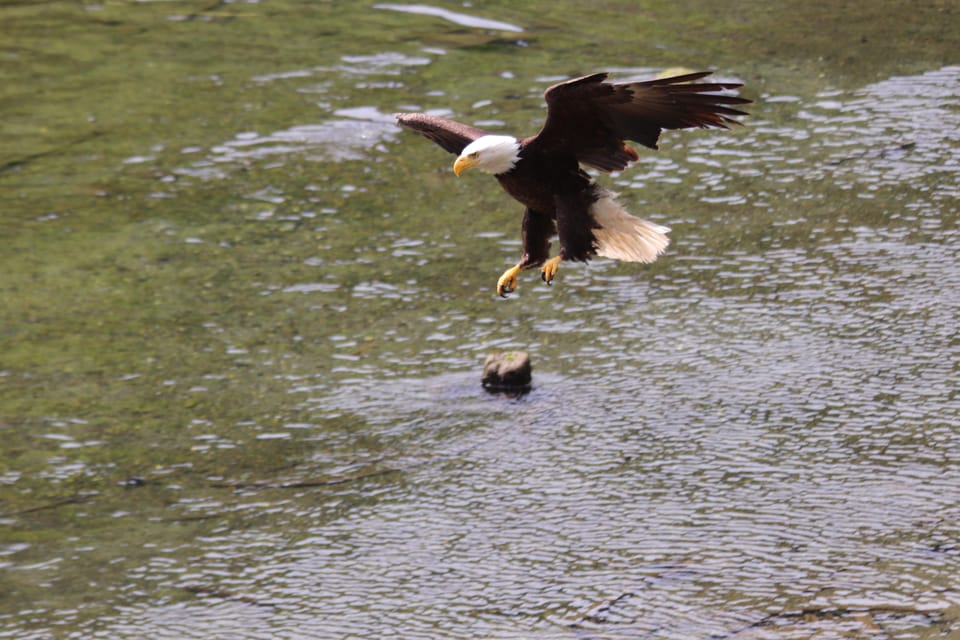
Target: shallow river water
[{"x": 244, "y": 318}]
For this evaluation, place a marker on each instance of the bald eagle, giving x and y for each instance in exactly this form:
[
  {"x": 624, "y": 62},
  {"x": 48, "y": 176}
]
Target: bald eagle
[{"x": 588, "y": 122}]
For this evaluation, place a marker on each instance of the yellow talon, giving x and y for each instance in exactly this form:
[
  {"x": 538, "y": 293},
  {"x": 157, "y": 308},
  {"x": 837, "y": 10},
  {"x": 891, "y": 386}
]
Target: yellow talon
[
  {"x": 508, "y": 281},
  {"x": 549, "y": 269}
]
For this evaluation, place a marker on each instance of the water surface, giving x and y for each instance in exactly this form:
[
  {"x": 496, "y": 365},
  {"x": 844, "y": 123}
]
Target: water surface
[{"x": 244, "y": 318}]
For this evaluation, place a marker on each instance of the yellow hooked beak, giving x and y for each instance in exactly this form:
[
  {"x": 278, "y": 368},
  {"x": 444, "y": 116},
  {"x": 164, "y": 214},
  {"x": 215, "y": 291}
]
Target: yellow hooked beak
[{"x": 463, "y": 163}]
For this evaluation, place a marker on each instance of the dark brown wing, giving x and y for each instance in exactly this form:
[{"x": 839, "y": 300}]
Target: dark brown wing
[
  {"x": 452, "y": 136},
  {"x": 591, "y": 118}
]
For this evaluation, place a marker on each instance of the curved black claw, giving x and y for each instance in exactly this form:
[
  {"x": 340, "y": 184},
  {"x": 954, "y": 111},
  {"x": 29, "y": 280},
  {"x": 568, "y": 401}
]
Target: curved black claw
[
  {"x": 549, "y": 270},
  {"x": 508, "y": 281}
]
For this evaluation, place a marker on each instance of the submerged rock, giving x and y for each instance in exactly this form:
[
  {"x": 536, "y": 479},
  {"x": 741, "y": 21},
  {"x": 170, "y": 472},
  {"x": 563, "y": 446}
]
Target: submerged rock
[{"x": 507, "y": 371}]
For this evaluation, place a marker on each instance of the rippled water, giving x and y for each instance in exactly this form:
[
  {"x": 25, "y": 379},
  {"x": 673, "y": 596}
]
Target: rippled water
[{"x": 261, "y": 415}]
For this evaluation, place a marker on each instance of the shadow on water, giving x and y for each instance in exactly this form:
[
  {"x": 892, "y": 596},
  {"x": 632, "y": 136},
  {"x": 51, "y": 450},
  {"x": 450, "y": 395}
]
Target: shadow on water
[{"x": 240, "y": 392}]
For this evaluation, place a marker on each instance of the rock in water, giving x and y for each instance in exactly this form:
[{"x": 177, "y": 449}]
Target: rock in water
[{"x": 507, "y": 371}]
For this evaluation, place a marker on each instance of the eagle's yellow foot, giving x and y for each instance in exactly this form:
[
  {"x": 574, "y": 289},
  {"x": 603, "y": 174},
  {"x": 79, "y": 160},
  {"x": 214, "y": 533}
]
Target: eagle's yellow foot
[
  {"x": 508, "y": 281},
  {"x": 549, "y": 269}
]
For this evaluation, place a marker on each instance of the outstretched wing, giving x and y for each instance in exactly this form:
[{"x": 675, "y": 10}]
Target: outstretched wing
[
  {"x": 450, "y": 135},
  {"x": 591, "y": 118}
]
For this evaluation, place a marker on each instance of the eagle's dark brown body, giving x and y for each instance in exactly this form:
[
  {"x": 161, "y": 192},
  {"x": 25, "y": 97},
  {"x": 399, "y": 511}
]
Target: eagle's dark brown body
[
  {"x": 543, "y": 186},
  {"x": 588, "y": 122}
]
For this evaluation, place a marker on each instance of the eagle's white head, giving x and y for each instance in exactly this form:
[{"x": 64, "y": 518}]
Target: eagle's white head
[{"x": 493, "y": 154}]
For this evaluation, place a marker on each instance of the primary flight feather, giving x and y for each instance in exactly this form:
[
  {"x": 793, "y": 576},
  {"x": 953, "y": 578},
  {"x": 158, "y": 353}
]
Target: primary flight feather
[{"x": 588, "y": 123}]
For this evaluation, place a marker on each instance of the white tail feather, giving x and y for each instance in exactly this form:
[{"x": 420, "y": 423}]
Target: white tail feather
[{"x": 622, "y": 236}]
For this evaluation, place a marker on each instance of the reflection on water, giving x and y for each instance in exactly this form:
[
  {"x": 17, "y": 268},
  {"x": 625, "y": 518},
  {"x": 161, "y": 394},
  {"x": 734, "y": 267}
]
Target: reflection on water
[
  {"x": 453, "y": 16},
  {"x": 351, "y": 134},
  {"x": 350, "y": 138},
  {"x": 757, "y": 437},
  {"x": 915, "y": 125}
]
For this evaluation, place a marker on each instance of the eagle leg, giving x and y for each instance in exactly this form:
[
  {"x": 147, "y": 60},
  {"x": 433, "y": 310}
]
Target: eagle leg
[
  {"x": 549, "y": 269},
  {"x": 508, "y": 281},
  {"x": 537, "y": 229}
]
